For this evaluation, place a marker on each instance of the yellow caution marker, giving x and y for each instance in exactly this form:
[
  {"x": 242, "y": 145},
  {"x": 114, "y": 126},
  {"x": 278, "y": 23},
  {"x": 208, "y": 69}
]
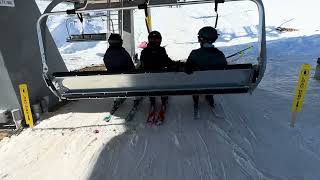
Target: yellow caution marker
[
  {"x": 148, "y": 21},
  {"x": 301, "y": 89},
  {"x": 26, "y": 104}
]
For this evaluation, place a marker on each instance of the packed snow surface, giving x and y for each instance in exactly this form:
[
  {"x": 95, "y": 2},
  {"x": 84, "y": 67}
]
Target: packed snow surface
[{"x": 253, "y": 140}]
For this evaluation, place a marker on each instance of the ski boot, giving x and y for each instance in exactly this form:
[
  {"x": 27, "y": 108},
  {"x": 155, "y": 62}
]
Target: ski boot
[
  {"x": 161, "y": 115},
  {"x": 196, "y": 114},
  {"x": 152, "y": 115}
]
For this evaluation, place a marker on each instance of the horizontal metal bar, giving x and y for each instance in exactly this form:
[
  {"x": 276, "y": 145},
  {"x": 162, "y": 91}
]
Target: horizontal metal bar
[
  {"x": 115, "y": 8},
  {"x": 73, "y": 96},
  {"x": 154, "y": 3},
  {"x": 93, "y": 73}
]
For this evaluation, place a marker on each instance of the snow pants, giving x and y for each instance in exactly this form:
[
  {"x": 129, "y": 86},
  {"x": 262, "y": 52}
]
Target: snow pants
[
  {"x": 209, "y": 99},
  {"x": 164, "y": 100}
]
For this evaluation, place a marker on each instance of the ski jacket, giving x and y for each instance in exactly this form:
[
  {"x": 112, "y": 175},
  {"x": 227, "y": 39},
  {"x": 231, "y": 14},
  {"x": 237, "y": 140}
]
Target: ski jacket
[
  {"x": 204, "y": 58},
  {"x": 155, "y": 58},
  {"x": 118, "y": 60}
]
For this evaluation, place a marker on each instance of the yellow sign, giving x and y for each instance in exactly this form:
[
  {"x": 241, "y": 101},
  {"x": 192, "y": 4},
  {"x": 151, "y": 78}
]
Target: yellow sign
[
  {"x": 148, "y": 21},
  {"x": 26, "y": 104},
  {"x": 301, "y": 87}
]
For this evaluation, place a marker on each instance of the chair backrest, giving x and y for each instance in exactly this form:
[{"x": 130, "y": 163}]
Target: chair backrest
[
  {"x": 87, "y": 37},
  {"x": 227, "y": 79}
]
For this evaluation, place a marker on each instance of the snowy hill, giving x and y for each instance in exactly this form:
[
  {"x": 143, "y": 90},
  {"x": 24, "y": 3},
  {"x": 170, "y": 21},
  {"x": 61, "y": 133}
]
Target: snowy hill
[{"x": 253, "y": 140}]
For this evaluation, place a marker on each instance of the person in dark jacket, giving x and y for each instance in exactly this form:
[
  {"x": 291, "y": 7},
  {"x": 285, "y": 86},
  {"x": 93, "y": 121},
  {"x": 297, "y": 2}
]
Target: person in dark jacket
[
  {"x": 205, "y": 57},
  {"x": 155, "y": 58},
  {"x": 116, "y": 58}
]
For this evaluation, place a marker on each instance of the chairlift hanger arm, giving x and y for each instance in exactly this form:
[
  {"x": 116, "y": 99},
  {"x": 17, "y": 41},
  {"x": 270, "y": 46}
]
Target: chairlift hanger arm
[
  {"x": 144, "y": 6},
  {"x": 216, "y": 2}
]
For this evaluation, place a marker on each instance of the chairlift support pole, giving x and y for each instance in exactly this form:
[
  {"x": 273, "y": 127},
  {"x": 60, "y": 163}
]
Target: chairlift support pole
[
  {"x": 132, "y": 40},
  {"x": 108, "y": 21}
]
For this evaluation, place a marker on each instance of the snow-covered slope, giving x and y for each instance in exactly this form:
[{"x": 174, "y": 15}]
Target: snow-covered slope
[{"x": 253, "y": 141}]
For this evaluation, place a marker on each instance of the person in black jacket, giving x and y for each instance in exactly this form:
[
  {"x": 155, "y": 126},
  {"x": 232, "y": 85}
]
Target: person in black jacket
[
  {"x": 205, "y": 57},
  {"x": 116, "y": 58},
  {"x": 155, "y": 58}
]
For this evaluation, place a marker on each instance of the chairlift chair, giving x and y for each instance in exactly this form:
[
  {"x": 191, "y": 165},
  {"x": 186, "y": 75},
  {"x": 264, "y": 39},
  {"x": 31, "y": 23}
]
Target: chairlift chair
[
  {"x": 83, "y": 37},
  {"x": 87, "y": 37},
  {"x": 239, "y": 78}
]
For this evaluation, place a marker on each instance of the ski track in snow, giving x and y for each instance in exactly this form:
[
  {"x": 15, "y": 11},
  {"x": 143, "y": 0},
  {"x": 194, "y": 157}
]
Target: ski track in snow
[
  {"x": 176, "y": 141},
  {"x": 209, "y": 160},
  {"x": 143, "y": 155},
  {"x": 223, "y": 171}
]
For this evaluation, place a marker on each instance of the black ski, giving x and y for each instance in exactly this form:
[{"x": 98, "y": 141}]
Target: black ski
[
  {"x": 218, "y": 111},
  {"x": 116, "y": 105},
  {"x": 134, "y": 108},
  {"x": 196, "y": 113}
]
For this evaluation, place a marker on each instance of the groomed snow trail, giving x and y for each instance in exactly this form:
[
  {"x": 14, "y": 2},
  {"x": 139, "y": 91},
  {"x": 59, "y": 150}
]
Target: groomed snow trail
[{"x": 252, "y": 142}]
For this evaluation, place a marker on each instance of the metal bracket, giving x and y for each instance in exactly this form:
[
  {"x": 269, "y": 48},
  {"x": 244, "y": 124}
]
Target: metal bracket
[
  {"x": 219, "y": 1},
  {"x": 142, "y": 6}
]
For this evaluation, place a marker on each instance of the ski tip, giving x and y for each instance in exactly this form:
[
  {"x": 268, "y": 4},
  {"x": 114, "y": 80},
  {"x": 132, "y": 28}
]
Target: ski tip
[
  {"x": 108, "y": 118},
  {"x": 196, "y": 117},
  {"x": 159, "y": 123}
]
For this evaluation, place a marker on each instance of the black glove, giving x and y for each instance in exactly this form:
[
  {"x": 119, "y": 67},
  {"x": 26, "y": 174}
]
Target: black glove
[
  {"x": 179, "y": 66},
  {"x": 188, "y": 71}
]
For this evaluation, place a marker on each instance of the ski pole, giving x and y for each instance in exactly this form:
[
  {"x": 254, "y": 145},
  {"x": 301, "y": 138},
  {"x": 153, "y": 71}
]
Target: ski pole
[{"x": 239, "y": 52}]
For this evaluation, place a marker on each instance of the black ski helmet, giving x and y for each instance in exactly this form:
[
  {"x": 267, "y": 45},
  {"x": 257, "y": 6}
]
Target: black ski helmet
[
  {"x": 115, "y": 40},
  {"x": 155, "y": 37},
  {"x": 208, "y": 34}
]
